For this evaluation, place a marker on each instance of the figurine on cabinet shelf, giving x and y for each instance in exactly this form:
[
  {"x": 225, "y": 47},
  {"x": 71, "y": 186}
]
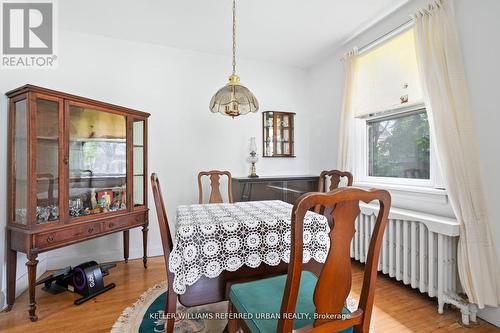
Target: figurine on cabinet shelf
[{"x": 93, "y": 200}]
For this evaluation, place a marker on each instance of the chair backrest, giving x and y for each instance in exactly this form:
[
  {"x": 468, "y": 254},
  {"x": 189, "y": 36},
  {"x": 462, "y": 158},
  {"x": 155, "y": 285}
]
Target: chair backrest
[
  {"x": 215, "y": 194},
  {"x": 161, "y": 213},
  {"x": 335, "y": 178},
  {"x": 334, "y": 282}
]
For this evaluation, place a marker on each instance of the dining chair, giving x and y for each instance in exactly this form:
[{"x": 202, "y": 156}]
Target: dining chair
[
  {"x": 335, "y": 177},
  {"x": 322, "y": 297},
  {"x": 215, "y": 194},
  {"x": 166, "y": 240}
]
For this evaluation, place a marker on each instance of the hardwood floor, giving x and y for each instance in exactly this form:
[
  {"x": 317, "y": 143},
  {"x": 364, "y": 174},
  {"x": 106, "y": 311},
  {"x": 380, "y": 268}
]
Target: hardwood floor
[{"x": 397, "y": 308}]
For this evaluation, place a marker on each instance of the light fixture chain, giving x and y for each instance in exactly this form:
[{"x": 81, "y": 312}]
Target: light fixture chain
[
  {"x": 234, "y": 99},
  {"x": 234, "y": 37}
]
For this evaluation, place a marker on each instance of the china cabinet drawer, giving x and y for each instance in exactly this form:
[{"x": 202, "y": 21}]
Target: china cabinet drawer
[
  {"x": 123, "y": 222},
  {"x": 67, "y": 235}
]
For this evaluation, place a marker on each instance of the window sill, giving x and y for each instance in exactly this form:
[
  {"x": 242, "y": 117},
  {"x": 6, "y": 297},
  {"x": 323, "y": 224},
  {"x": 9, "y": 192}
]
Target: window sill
[
  {"x": 403, "y": 188},
  {"x": 418, "y": 193},
  {"x": 419, "y": 199}
]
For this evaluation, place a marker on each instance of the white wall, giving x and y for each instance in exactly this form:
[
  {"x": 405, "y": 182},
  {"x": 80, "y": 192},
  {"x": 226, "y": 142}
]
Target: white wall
[
  {"x": 478, "y": 28},
  {"x": 175, "y": 86}
]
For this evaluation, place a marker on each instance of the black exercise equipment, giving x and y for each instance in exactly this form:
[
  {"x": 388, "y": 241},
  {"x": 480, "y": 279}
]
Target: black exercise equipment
[{"x": 86, "y": 279}]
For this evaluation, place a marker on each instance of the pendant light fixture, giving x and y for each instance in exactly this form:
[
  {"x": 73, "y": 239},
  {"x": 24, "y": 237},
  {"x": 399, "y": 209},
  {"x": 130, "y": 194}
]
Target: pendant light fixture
[{"x": 234, "y": 99}]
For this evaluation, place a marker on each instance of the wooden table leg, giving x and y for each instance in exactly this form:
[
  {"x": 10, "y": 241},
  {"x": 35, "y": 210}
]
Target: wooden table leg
[
  {"x": 126, "y": 236},
  {"x": 145, "y": 245},
  {"x": 31, "y": 264},
  {"x": 11, "y": 273}
]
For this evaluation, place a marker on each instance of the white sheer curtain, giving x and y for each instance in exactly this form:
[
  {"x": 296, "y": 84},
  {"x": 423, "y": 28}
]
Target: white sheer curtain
[
  {"x": 346, "y": 132},
  {"x": 453, "y": 129}
]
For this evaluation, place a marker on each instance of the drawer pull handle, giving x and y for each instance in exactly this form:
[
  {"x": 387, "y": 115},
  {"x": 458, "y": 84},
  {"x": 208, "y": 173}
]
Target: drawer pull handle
[
  {"x": 50, "y": 239},
  {"x": 111, "y": 225},
  {"x": 90, "y": 230}
]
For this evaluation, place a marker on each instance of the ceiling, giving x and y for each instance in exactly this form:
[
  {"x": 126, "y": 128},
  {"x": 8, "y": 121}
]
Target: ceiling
[{"x": 293, "y": 32}]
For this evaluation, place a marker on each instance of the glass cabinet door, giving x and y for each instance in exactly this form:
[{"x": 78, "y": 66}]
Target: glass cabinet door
[
  {"x": 47, "y": 160},
  {"x": 283, "y": 127},
  {"x": 268, "y": 134},
  {"x": 285, "y": 135},
  {"x": 139, "y": 159},
  {"x": 279, "y": 133},
  {"x": 97, "y": 161},
  {"x": 19, "y": 124}
]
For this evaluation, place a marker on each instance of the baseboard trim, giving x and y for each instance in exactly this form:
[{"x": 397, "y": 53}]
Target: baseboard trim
[
  {"x": 491, "y": 315},
  {"x": 58, "y": 261}
]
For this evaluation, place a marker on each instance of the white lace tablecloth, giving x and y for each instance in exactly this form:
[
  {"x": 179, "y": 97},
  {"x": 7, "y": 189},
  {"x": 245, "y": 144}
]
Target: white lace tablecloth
[{"x": 211, "y": 238}]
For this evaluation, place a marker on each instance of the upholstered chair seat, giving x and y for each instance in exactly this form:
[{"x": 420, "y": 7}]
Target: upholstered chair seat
[{"x": 263, "y": 297}]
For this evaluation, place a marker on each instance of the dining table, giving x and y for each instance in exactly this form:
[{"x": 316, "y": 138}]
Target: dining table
[{"x": 216, "y": 245}]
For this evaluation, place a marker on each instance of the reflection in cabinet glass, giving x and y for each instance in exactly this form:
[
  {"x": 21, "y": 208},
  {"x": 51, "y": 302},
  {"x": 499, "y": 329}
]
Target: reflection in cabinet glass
[
  {"x": 278, "y": 134},
  {"x": 97, "y": 162},
  {"x": 139, "y": 159},
  {"x": 285, "y": 188}
]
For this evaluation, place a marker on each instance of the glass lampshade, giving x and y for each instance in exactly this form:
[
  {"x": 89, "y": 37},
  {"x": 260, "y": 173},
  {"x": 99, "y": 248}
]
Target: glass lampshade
[
  {"x": 234, "y": 99},
  {"x": 253, "y": 145}
]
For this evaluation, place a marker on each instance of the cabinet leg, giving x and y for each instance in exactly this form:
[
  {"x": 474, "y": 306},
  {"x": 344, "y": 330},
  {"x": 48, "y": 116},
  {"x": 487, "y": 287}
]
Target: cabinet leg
[
  {"x": 11, "y": 274},
  {"x": 125, "y": 245},
  {"x": 31, "y": 264},
  {"x": 145, "y": 245}
]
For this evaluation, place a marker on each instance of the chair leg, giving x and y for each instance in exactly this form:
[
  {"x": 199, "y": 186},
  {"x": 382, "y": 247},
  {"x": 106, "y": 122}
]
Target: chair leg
[
  {"x": 232, "y": 323},
  {"x": 170, "y": 311}
]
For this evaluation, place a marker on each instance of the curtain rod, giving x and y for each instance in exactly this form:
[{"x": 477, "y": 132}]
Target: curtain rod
[{"x": 402, "y": 27}]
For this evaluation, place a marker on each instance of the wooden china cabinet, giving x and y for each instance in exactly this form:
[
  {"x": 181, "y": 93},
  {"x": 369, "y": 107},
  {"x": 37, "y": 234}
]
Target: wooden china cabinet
[{"x": 77, "y": 170}]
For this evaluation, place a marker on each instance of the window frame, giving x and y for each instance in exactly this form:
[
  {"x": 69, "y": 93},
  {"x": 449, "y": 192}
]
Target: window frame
[{"x": 362, "y": 147}]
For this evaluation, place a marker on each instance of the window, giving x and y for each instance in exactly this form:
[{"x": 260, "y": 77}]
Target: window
[
  {"x": 392, "y": 130},
  {"x": 398, "y": 146}
]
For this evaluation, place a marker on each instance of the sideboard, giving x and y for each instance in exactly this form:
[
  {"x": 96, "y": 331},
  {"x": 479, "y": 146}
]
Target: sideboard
[
  {"x": 76, "y": 171},
  {"x": 285, "y": 188}
]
